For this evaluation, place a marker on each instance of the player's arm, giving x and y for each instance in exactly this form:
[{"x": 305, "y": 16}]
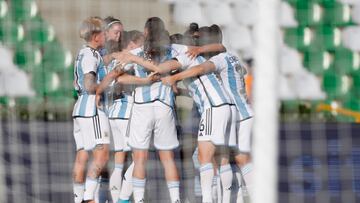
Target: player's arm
[
  {"x": 127, "y": 79},
  {"x": 194, "y": 71},
  {"x": 109, "y": 57},
  {"x": 126, "y": 58},
  {"x": 166, "y": 67},
  {"x": 194, "y": 51},
  {"x": 90, "y": 82},
  {"x": 111, "y": 76}
]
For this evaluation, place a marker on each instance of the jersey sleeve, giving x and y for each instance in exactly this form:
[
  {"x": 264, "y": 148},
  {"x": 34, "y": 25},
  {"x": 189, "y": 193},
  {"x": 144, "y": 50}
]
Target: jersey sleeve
[
  {"x": 219, "y": 62},
  {"x": 185, "y": 61},
  {"x": 89, "y": 62},
  {"x": 178, "y": 49}
]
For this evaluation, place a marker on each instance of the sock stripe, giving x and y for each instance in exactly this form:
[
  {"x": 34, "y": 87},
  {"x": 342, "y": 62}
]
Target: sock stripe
[
  {"x": 91, "y": 179},
  {"x": 139, "y": 183},
  {"x": 206, "y": 167},
  {"x": 78, "y": 184},
  {"x": 246, "y": 169},
  {"x": 119, "y": 166},
  {"x": 225, "y": 168},
  {"x": 173, "y": 184}
]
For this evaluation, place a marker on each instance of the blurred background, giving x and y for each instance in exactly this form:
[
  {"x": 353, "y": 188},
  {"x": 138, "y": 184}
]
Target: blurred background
[{"x": 319, "y": 90}]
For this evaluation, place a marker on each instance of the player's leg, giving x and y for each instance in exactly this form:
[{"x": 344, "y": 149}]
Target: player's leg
[
  {"x": 80, "y": 163},
  {"x": 79, "y": 172},
  {"x": 118, "y": 129},
  {"x": 116, "y": 176},
  {"x": 99, "y": 139},
  {"x": 165, "y": 140},
  {"x": 139, "y": 174},
  {"x": 171, "y": 174},
  {"x": 209, "y": 136},
  {"x": 226, "y": 174},
  {"x": 243, "y": 158},
  {"x": 127, "y": 187},
  {"x": 216, "y": 184},
  {"x": 140, "y": 131},
  {"x": 206, "y": 153}
]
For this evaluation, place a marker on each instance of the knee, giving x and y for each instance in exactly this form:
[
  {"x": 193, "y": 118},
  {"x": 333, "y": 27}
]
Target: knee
[
  {"x": 81, "y": 157},
  {"x": 140, "y": 158},
  {"x": 102, "y": 154},
  {"x": 166, "y": 156}
]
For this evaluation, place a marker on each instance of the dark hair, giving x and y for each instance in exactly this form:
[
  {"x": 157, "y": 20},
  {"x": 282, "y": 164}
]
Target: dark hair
[
  {"x": 130, "y": 36},
  {"x": 157, "y": 40},
  {"x": 216, "y": 33},
  {"x": 205, "y": 36},
  {"x": 190, "y": 36},
  {"x": 210, "y": 35},
  {"x": 177, "y": 38},
  {"x": 193, "y": 28},
  {"x": 109, "y": 21}
]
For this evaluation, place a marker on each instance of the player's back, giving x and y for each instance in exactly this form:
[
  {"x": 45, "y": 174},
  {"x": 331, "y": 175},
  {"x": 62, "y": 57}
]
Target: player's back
[
  {"x": 206, "y": 90},
  {"x": 156, "y": 91},
  {"x": 232, "y": 74}
]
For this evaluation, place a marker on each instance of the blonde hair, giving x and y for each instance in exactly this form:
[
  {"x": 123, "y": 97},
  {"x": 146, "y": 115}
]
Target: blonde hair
[{"x": 91, "y": 26}]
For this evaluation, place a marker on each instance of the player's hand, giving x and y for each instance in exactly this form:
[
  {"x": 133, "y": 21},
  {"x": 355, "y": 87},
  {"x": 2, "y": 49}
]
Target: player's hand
[
  {"x": 168, "y": 80},
  {"x": 97, "y": 101},
  {"x": 153, "y": 77},
  {"x": 193, "y": 51},
  {"x": 175, "y": 89},
  {"x": 123, "y": 57}
]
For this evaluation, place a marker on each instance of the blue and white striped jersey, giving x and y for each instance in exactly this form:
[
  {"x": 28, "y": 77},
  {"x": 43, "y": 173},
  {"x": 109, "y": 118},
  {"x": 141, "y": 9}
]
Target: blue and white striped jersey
[
  {"x": 87, "y": 61},
  {"x": 156, "y": 91},
  {"x": 206, "y": 90},
  {"x": 232, "y": 74},
  {"x": 120, "y": 108}
]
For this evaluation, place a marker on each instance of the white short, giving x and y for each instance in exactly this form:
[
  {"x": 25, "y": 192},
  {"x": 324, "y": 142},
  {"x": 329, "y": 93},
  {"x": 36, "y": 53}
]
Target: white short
[
  {"x": 118, "y": 131},
  {"x": 215, "y": 126},
  {"x": 155, "y": 119},
  {"x": 234, "y": 126},
  {"x": 244, "y": 129},
  {"x": 91, "y": 131}
]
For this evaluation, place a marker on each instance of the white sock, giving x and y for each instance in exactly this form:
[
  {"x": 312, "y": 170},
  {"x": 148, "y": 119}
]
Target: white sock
[
  {"x": 247, "y": 172},
  {"x": 214, "y": 188},
  {"x": 115, "y": 182},
  {"x": 197, "y": 185},
  {"x": 174, "y": 190},
  {"x": 78, "y": 192},
  {"x": 206, "y": 178},
  {"x": 90, "y": 187},
  {"x": 127, "y": 187},
  {"x": 240, "y": 196},
  {"x": 218, "y": 187},
  {"x": 139, "y": 189},
  {"x": 226, "y": 176}
]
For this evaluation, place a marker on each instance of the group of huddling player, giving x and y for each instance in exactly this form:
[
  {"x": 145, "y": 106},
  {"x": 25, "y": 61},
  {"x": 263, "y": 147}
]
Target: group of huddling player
[{"x": 127, "y": 82}]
